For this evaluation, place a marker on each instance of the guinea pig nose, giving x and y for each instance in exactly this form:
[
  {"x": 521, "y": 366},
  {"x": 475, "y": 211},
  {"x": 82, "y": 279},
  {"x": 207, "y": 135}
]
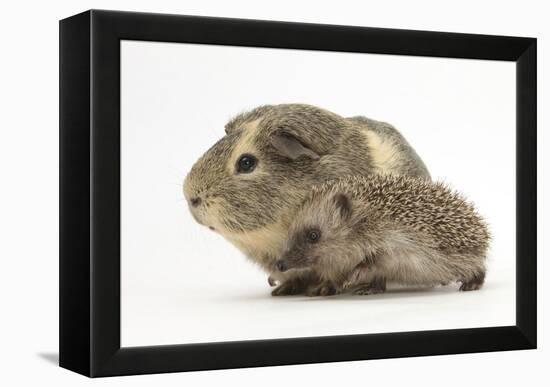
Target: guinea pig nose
[
  {"x": 195, "y": 201},
  {"x": 281, "y": 265}
]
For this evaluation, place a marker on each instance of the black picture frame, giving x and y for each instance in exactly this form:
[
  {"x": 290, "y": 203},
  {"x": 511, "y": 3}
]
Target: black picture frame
[{"x": 90, "y": 193}]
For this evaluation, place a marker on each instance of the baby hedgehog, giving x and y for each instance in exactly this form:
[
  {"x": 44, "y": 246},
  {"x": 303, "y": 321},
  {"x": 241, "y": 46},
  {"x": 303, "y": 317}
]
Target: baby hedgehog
[{"x": 357, "y": 233}]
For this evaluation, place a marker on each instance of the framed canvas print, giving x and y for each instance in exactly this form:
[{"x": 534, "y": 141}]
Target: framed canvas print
[{"x": 242, "y": 193}]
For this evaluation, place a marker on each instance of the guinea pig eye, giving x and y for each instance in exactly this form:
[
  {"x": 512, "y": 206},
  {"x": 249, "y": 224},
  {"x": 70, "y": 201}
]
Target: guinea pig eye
[
  {"x": 313, "y": 236},
  {"x": 246, "y": 163}
]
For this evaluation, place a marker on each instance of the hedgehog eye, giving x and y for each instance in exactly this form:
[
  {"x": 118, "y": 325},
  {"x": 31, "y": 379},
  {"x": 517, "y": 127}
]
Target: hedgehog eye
[
  {"x": 313, "y": 236},
  {"x": 246, "y": 163}
]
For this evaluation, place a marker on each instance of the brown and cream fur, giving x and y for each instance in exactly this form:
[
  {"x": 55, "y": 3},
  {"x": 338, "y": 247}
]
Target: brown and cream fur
[
  {"x": 296, "y": 146},
  {"x": 374, "y": 229}
]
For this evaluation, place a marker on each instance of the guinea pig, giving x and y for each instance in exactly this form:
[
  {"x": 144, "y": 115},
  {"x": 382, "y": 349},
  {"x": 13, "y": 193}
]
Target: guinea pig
[
  {"x": 358, "y": 232},
  {"x": 249, "y": 184}
]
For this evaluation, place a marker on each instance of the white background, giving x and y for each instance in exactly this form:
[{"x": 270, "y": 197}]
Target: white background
[
  {"x": 29, "y": 162},
  {"x": 182, "y": 283}
]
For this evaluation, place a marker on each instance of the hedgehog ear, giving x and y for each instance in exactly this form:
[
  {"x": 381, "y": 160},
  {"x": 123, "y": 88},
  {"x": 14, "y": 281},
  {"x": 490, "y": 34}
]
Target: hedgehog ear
[
  {"x": 343, "y": 205},
  {"x": 289, "y": 146},
  {"x": 229, "y": 128}
]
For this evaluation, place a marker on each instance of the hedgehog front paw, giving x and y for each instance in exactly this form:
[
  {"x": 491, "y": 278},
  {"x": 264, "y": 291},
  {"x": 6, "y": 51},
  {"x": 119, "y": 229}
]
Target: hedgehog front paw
[
  {"x": 289, "y": 288},
  {"x": 366, "y": 290},
  {"x": 323, "y": 290},
  {"x": 470, "y": 285},
  {"x": 474, "y": 283},
  {"x": 377, "y": 286}
]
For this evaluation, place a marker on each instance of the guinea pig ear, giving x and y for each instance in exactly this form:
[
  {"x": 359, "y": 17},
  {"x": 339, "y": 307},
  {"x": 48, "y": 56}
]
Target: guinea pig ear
[
  {"x": 289, "y": 146},
  {"x": 343, "y": 205}
]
